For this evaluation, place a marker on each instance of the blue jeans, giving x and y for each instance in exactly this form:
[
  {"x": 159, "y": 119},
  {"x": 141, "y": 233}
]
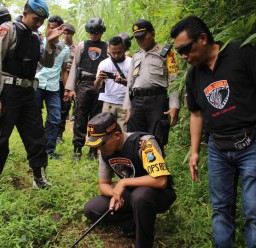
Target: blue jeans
[
  {"x": 53, "y": 119},
  {"x": 224, "y": 168}
]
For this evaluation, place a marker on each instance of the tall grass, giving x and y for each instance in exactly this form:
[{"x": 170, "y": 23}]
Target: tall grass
[{"x": 54, "y": 217}]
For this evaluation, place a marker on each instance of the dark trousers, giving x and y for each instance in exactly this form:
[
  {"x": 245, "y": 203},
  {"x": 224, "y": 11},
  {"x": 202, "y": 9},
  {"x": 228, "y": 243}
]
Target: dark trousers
[
  {"x": 87, "y": 107},
  {"x": 19, "y": 109},
  {"x": 53, "y": 107},
  {"x": 146, "y": 113},
  {"x": 65, "y": 108},
  {"x": 141, "y": 205}
]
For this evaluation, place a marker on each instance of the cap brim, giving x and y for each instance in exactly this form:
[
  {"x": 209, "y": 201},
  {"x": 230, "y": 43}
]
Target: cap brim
[
  {"x": 93, "y": 141},
  {"x": 139, "y": 33}
]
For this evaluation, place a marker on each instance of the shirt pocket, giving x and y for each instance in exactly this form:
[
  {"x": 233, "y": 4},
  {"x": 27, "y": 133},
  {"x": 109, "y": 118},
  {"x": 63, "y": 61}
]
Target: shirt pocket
[
  {"x": 136, "y": 68},
  {"x": 156, "y": 67}
]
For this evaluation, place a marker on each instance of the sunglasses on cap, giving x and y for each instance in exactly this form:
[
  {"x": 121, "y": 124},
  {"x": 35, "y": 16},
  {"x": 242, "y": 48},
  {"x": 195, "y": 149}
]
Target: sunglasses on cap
[{"x": 185, "y": 49}]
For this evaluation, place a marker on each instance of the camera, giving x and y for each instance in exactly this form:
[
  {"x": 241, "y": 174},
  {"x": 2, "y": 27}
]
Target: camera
[{"x": 110, "y": 75}]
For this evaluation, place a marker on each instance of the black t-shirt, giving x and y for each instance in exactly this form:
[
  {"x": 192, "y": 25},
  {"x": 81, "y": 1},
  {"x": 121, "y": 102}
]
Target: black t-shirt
[{"x": 227, "y": 95}]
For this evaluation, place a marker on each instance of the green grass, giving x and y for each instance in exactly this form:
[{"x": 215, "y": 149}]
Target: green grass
[{"x": 54, "y": 217}]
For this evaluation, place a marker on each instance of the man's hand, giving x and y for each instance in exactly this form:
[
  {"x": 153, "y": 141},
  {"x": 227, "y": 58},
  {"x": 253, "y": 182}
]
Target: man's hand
[
  {"x": 118, "y": 190},
  {"x": 102, "y": 76},
  {"x": 174, "y": 114},
  {"x": 120, "y": 80},
  {"x": 193, "y": 166},
  {"x": 52, "y": 35},
  {"x": 69, "y": 95},
  {"x": 116, "y": 205},
  {"x": 117, "y": 201}
]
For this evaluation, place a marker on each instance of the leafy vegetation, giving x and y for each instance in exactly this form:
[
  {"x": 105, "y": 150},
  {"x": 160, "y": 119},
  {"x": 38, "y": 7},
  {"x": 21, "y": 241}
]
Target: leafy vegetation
[{"x": 54, "y": 217}]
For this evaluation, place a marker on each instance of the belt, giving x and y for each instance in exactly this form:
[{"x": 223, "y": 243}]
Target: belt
[
  {"x": 149, "y": 91},
  {"x": 24, "y": 83}
]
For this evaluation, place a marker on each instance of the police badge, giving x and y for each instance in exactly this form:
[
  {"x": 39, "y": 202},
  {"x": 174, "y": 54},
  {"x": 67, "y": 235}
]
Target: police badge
[{"x": 94, "y": 53}]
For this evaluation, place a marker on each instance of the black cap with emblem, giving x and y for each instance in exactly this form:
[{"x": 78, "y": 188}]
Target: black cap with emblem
[
  {"x": 100, "y": 127},
  {"x": 142, "y": 26}
]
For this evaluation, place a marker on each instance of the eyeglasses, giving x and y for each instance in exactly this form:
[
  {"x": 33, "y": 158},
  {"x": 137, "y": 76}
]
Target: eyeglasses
[
  {"x": 94, "y": 32},
  {"x": 185, "y": 49}
]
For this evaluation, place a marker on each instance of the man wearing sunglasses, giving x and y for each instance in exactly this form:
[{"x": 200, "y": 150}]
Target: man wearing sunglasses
[
  {"x": 145, "y": 185},
  {"x": 83, "y": 73},
  {"x": 146, "y": 98},
  {"x": 221, "y": 94}
]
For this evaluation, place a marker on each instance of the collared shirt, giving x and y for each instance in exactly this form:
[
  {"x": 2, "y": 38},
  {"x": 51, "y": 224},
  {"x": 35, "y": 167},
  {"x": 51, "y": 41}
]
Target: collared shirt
[
  {"x": 226, "y": 95},
  {"x": 72, "y": 49},
  {"x": 147, "y": 70},
  {"x": 70, "y": 84},
  {"x": 151, "y": 147},
  {"x": 8, "y": 44},
  {"x": 49, "y": 77}
]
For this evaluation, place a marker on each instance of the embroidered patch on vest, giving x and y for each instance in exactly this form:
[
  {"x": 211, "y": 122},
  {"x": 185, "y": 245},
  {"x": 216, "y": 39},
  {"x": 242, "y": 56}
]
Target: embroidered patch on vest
[
  {"x": 94, "y": 53},
  {"x": 123, "y": 167}
]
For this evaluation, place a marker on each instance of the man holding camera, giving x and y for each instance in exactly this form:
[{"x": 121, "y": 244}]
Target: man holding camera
[
  {"x": 83, "y": 70},
  {"x": 114, "y": 71}
]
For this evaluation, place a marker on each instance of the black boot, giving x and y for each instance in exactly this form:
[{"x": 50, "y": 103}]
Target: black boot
[
  {"x": 77, "y": 153},
  {"x": 93, "y": 153},
  {"x": 40, "y": 181}
]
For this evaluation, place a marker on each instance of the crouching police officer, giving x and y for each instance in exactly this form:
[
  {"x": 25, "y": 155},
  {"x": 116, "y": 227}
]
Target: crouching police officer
[
  {"x": 84, "y": 68},
  {"x": 145, "y": 185},
  {"x": 20, "y": 53}
]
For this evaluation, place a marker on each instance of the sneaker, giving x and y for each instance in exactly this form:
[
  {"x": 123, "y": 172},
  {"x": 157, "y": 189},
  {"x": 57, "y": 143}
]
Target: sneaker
[
  {"x": 41, "y": 183},
  {"x": 60, "y": 140},
  {"x": 77, "y": 156},
  {"x": 53, "y": 155}
]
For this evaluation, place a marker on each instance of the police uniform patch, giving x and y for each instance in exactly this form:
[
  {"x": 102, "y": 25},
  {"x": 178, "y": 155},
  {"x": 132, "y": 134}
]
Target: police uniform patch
[
  {"x": 153, "y": 161},
  {"x": 151, "y": 157},
  {"x": 171, "y": 63},
  {"x": 3, "y": 31},
  {"x": 94, "y": 53},
  {"x": 123, "y": 167}
]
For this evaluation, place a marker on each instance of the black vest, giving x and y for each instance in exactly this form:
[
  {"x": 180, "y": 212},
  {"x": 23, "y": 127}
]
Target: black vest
[
  {"x": 94, "y": 52},
  {"x": 23, "y": 62},
  {"x": 127, "y": 162}
]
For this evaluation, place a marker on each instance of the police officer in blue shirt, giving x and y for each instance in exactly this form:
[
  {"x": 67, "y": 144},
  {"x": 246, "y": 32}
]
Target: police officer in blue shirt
[{"x": 20, "y": 54}]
